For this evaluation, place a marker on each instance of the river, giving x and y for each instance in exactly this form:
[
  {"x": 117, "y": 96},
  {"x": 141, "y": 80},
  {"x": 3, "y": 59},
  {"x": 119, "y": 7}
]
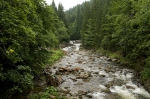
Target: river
[{"x": 86, "y": 74}]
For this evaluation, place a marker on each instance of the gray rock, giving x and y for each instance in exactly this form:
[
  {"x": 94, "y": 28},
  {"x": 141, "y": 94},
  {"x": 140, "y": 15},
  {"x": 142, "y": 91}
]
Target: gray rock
[
  {"x": 117, "y": 82},
  {"x": 108, "y": 59},
  {"x": 113, "y": 96},
  {"x": 114, "y": 60},
  {"x": 102, "y": 75},
  {"x": 82, "y": 92},
  {"x": 80, "y": 61},
  {"x": 107, "y": 90},
  {"x": 58, "y": 73},
  {"x": 85, "y": 76},
  {"x": 107, "y": 70},
  {"x": 78, "y": 77},
  {"x": 108, "y": 85},
  {"x": 130, "y": 87},
  {"x": 96, "y": 72},
  {"x": 73, "y": 78},
  {"x": 89, "y": 96}
]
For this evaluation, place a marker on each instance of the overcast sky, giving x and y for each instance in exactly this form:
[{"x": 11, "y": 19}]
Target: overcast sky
[{"x": 67, "y": 3}]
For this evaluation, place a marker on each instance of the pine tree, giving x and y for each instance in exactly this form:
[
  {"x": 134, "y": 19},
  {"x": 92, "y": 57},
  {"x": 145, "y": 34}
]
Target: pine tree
[
  {"x": 61, "y": 14},
  {"x": 54, "y": 6}
]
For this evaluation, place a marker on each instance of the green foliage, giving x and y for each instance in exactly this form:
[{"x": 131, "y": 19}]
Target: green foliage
[
  {"x": 61, "y": 14},
  {"x": 46, "y": 95},
  {"x": 145, "y": 74},
  {"x": 56, "y": 55},
  {"x": 88, "y": 36},
  {"x": 60, "y": 23},
  {"x": 61, "y": 32},
  {"x": 54, "y": 6},
  {"x": 29, "y": 29},
  {"x": 74, "y": 18}
]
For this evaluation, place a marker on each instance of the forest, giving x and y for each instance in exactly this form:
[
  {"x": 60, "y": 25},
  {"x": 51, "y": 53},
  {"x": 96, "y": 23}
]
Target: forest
[{"x": 31, "y": 31}]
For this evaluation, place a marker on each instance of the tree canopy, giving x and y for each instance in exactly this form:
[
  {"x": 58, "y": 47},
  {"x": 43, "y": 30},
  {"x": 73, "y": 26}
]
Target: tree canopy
[{"x": 29, "y": 30}]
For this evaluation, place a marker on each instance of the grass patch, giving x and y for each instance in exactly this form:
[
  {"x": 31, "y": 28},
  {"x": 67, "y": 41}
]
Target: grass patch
[
  {"x": 114, "y": 55},
  {"x": 56, "y": 55},
  {"x": 109, "y": 54},
  {"x": 50, "y": 93},
  {"x": 145, "y": 74}
]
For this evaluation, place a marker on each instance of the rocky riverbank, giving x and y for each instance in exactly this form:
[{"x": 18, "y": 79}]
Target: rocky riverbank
[{"x": 84, "y": 74}]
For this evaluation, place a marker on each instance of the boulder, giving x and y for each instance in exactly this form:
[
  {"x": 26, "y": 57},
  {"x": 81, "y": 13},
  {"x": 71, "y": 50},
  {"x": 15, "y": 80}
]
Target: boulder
[
  {"x": 80, "y": 61},
  {"x": 60, "y": 69},
  {"x": 106, "y": 90},
  {"x": 90, "y": 58},
  {"x": 117, "y": 82},
  {"x": 114, "y": 60},
  {"x": 58, "y": 73},
  {"x": 85, "y": 76},
  {"x": 65, "y": 91},
  {"x": 102, "y": 75},
  {"x": 52, "y": 97},
  {"x": 130, "y": 87},
  {"x": 96, "y": 73},
  {"x": 108, "y": 85},
  {"x": 109, "y": 59},
  {"x": 113, "y": 96},
  {"x": 80, "y": 96},
  {"x": 76, "y": 69},
  {"x": 82, "y": 92},
  {"x": 54, "y": 67},
  {"x": 89, "y": 96},
  {"x": 107, "y": 70},
  {"x": 73, "y": 78},
  {"x": 60, "y": 80},
  {"x": 79, "y": 77},
  {"x": 52, "y": 80}
]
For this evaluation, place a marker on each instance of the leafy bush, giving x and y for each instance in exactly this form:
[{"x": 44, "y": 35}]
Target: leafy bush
[
  {"x": 145, "y": 74},
  {"x": 27, "y": 34},
  {"x": 50, "y": 91},
  {"x": 56, "y": 54}
]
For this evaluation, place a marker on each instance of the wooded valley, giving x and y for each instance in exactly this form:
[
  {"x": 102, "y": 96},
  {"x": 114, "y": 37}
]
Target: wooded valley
[
  {"x": 119, "y": 27},
  {"x": 31, "y": 31}
]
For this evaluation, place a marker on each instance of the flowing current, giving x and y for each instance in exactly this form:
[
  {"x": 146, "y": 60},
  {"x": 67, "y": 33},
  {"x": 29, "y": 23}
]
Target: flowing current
[{"x": 96, "y": 77}]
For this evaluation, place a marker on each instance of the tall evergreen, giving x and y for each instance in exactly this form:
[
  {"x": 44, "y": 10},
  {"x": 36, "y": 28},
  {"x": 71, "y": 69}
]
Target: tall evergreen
[
  {"x": 85, "y": 25},
  {"x": 61, "y": 14},
  {"x": 74, "y": 18},
  {"x": 54, "y": 6}
]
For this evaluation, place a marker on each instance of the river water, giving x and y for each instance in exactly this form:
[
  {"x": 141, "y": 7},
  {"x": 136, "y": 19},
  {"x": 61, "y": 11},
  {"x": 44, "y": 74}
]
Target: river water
[{"x": 89, "y": 75}]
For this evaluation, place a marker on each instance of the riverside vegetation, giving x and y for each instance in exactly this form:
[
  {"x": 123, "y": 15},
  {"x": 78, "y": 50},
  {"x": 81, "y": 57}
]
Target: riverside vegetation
[{"x": 31, "y": 31}]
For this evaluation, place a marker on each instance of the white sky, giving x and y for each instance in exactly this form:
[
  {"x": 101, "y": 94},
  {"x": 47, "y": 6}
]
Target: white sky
[{"x": 67, "y": 3}]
